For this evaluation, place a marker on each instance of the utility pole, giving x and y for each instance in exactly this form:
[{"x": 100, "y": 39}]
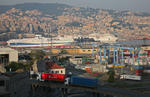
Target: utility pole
[
  {"x": 50, "y": 36},
  {"x": 51, "y": 40}
]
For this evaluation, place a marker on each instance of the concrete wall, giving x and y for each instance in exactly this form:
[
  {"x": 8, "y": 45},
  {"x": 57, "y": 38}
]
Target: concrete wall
[
  {"x": 76, "y": 60},
  {"x": 13, "y": 54},
  {"x": 99, "y": 68}
]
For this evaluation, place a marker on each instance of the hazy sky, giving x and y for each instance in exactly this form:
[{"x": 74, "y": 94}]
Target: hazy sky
[{"x": 133, "y": 5}]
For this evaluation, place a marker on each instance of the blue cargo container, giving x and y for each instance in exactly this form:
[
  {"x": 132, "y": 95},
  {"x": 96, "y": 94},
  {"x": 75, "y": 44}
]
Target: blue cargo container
[
  {"x": 111, "y": 60},
  {"x": 139, "y": 67},
  {"x": 147, "y": 68},
  {"x": 82, "y": 81}
]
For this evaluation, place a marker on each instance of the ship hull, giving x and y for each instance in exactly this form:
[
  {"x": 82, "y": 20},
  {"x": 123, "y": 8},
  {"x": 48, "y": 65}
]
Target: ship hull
[
  {"x": 39, "y": 42},
  {"x": 38, "y": 47}
]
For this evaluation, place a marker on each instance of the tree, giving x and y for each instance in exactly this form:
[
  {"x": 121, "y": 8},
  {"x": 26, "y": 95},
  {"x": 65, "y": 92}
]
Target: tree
[
  {"x": 63, "y": 51},
  {"x": 63, "y": 61},
  {"x": 14, "y": 66},
  {"x": 111, "y": 74}
]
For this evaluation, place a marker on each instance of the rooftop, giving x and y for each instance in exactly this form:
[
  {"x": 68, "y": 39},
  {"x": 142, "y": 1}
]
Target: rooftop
[{"x": 56, "y": 66}]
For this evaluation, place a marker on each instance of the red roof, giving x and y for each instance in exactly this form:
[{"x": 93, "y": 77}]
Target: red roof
[{"x": 56, "y": 66}]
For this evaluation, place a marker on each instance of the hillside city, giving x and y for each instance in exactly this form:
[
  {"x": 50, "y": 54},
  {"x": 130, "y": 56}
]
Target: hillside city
[
  {"x": 77, "y": 21},
  {"x": 58, "y": 50}
]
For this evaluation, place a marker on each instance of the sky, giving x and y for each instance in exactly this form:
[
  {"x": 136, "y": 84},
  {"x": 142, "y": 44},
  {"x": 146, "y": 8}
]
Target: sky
[{"x": 132, "y": 5}]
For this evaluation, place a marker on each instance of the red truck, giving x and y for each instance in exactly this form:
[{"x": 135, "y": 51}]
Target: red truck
[
  {"x": 68, "y": 80},
  {"x": 51, "y": 77}
]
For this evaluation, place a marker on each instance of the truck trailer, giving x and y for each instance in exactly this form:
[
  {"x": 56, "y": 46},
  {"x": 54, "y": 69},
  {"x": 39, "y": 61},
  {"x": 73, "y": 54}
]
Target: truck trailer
[
  {"x": 130, "y": 77},
  {"x": 81, "y": 81}
]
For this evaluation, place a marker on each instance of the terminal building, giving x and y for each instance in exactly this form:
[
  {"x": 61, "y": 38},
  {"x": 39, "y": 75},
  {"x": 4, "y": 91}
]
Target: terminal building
[{"x": 7, "y": 55}]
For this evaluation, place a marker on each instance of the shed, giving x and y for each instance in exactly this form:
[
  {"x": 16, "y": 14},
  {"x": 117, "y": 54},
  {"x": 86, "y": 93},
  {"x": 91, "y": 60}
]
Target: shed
[{"x": 57, "y": 69}]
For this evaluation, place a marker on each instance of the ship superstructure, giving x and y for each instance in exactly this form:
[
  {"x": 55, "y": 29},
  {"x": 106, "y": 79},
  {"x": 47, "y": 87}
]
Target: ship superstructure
[{"x": 40, "y": 42}]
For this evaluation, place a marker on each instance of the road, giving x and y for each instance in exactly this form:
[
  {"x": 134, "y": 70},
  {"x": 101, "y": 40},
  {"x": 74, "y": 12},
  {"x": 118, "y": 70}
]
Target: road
[
  {"x": 20, "y": 86},
  {"x": 41, "y": 66},
  {"x": 104, "y": 90},
  {"x": 101, "y": 89}
]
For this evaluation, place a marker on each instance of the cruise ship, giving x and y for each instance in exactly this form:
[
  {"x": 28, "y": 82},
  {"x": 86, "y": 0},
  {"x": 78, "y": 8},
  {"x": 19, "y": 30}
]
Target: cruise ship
[
  {"x": 40, "y": 42},
  {"x": 105, "y": 38}
]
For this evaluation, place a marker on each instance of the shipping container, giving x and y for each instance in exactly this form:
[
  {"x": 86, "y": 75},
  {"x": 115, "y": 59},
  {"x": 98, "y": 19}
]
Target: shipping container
[
  {"x": 87, "y": 68},
  {"x": 146, "y": 71},
  {"x": 139, "y": 71},
  {"x": 53, "y": 77},
  {"x": 147, "y": 68},
  {"x": 82, "y": 81},
  {"x": 148, "y": 54},
  {"x": 87, "y": 62},
  {"x": 138, "y": 74},
  {"x": 139, "y": 67},
  {"x": 111, "y": 60},
  {"x": 96, "y": 74}
]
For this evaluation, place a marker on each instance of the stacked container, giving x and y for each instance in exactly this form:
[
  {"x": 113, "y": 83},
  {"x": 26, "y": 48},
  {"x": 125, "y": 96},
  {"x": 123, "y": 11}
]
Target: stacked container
[
  {"x": 148, "y": 54},
  {"x": 139, "y": 70},
  {"x": 147, "y": 69},
  {"x": 111, "y": 60}
]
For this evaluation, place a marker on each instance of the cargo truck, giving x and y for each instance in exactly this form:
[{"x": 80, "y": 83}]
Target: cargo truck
[
  {"x": 81, "y": 81},
  {"x": 68, "y": 80}
]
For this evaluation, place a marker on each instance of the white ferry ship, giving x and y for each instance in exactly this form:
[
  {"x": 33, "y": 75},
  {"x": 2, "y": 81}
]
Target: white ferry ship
[{"x": 40, "y": 42}]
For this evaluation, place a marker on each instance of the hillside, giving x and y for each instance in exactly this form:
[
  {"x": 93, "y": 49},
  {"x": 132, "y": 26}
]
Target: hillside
[
  {"x": 51, "y": 8},
  {"x": 64, "y": 19}
]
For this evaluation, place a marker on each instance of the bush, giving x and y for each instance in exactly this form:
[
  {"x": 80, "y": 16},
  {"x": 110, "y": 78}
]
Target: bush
[
  {"x": 14, "y": 66},
  {"x": 111, "y": 74},
  {"x": 37, "y": 54},
  {"x": 63, "y": 51}
]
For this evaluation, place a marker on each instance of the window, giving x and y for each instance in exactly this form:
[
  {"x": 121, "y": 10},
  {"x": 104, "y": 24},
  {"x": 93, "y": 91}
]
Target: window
[
  {"x": 89, "y": 50},
  {"x": 57, "y": 72},
  {"x": 2, "y": 82},
  {"x": 61, "y": 71},
  {"x": 52, "y": 71}
]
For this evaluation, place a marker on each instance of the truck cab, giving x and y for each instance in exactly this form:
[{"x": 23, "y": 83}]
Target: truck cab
[
  {"x": 39, "y": 77},
  {"x": 36, "y": 76},
  {"x": 67, "y": 81}
]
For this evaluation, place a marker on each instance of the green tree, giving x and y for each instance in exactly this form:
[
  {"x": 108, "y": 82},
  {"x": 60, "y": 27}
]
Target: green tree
[
  {"x": 63, "y": 51},
  {"x": 63, "y": 61},
  {"x": 28, "y": 65},
  {"x": 14, "y": 66},
  {"x": 111, "y": 74}
]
